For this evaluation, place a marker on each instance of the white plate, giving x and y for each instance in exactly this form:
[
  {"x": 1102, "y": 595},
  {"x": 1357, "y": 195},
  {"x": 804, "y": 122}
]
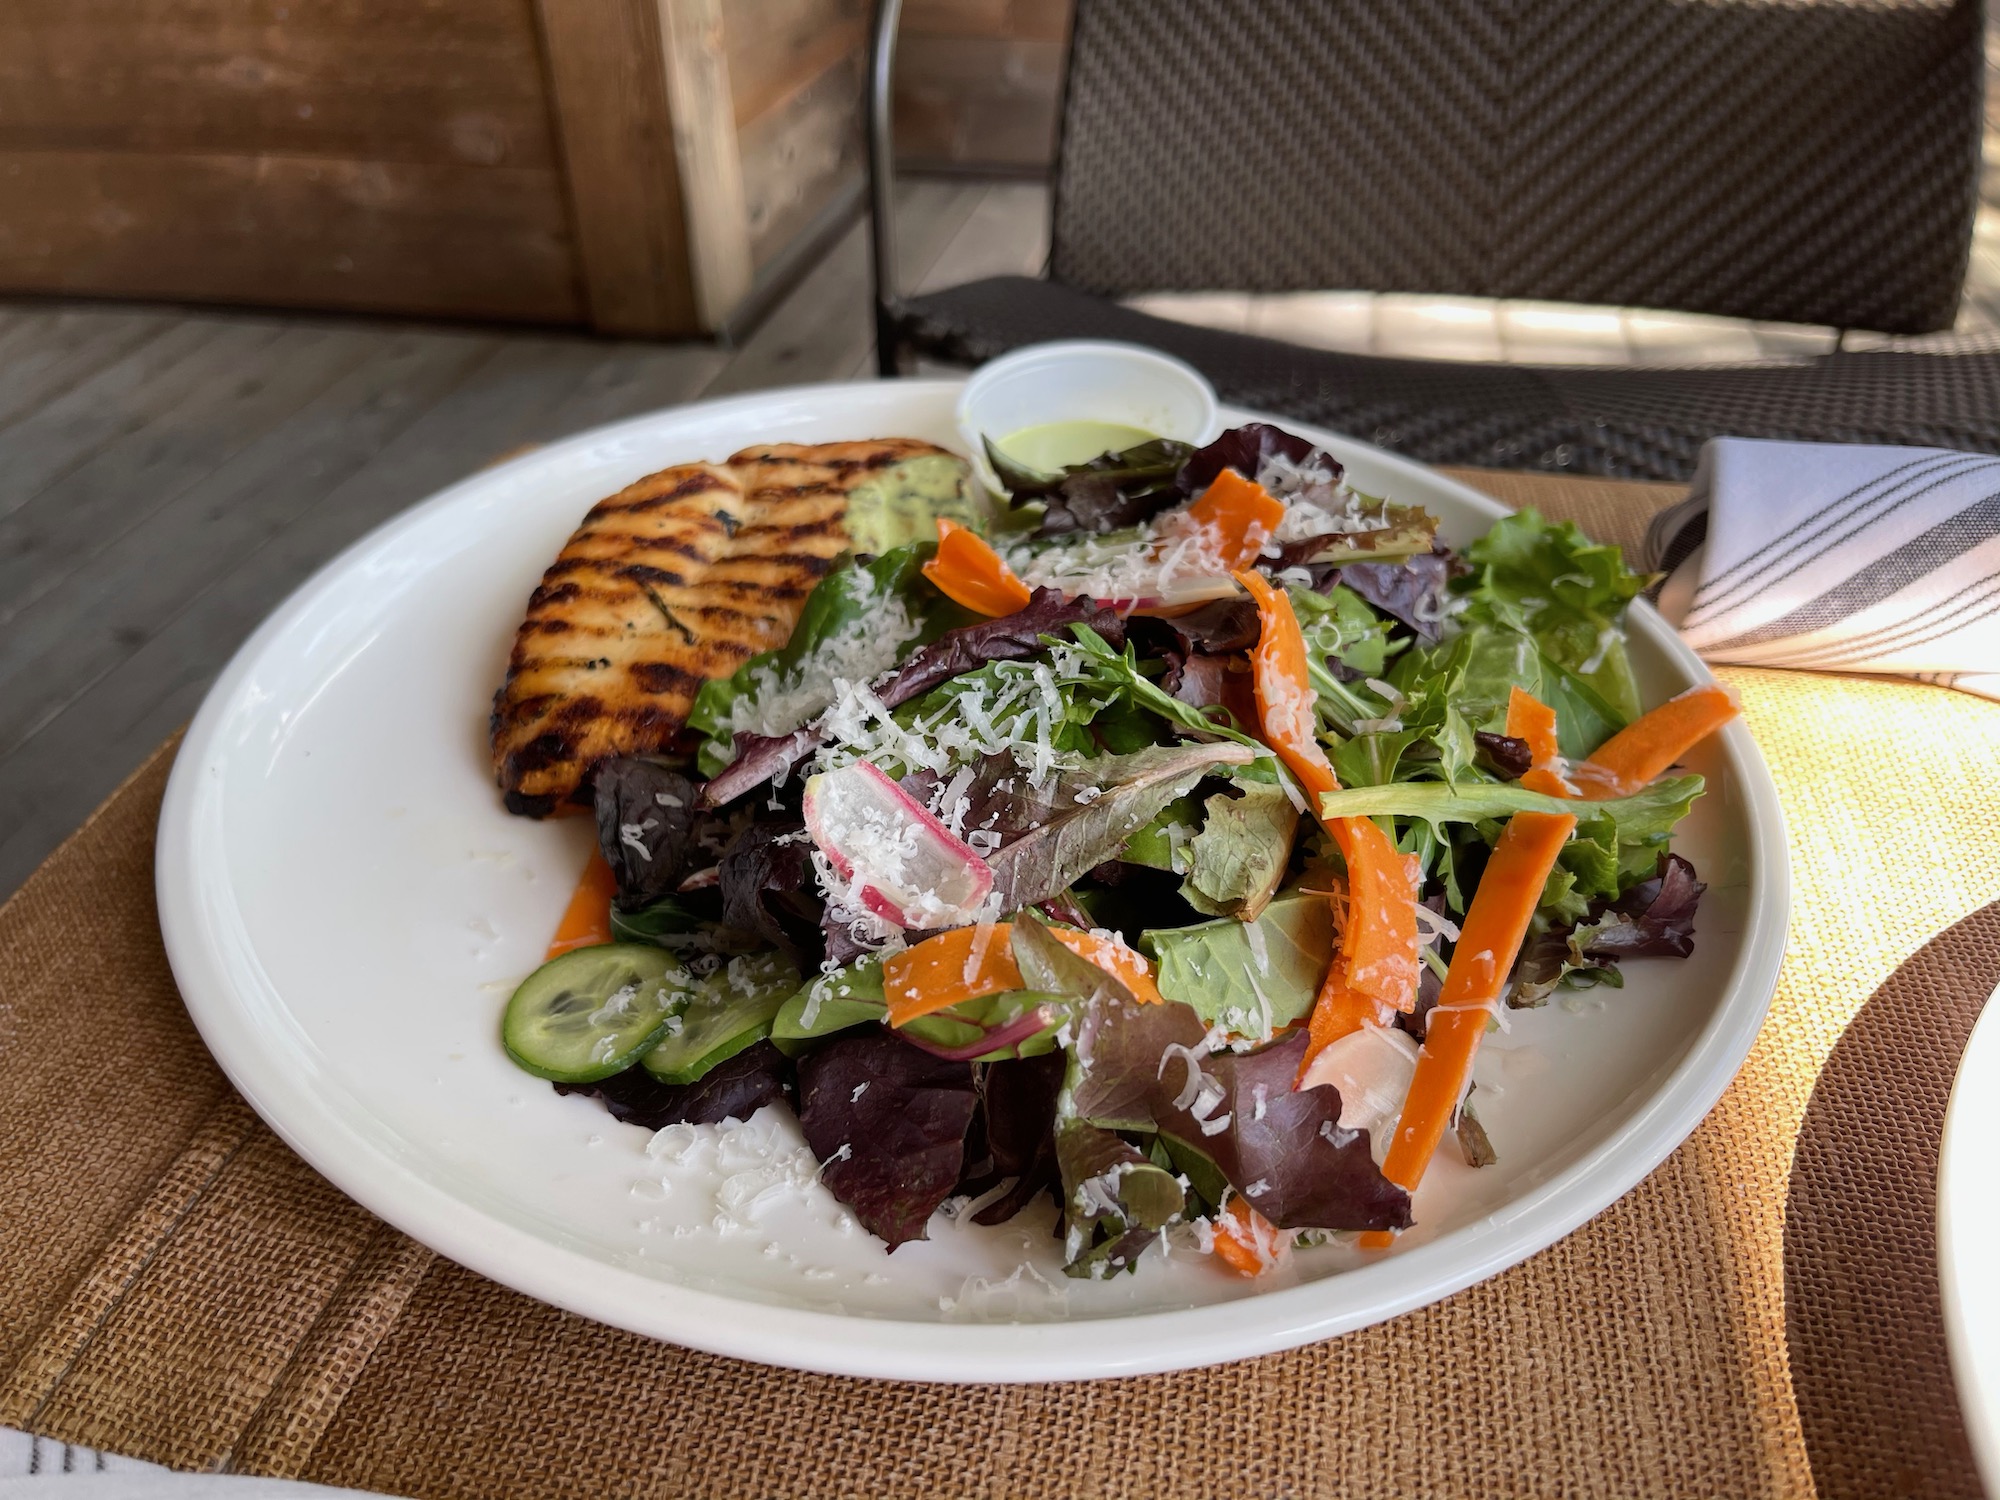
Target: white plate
[
  {"x": 1968, "y": 1227},
  {"x": 347, "y": 906}
]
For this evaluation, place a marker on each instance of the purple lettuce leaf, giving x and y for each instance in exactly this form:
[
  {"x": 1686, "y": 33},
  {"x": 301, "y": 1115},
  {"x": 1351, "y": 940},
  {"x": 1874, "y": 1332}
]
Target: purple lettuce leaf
[
  {"x": 1016, "y": 1133},
  {"x": 1413, "y": 590},
  {"x": 760, "y": 758},
  {"x": 1282, "y": 1148},
  {"x": 1244, "y": 449},
  {"x": 1014, "y": 637},
  {"x": 1654, "y": 919},
  {"x": 647, "y": 814},
  {"x": 1507, "y": 756},
  {"x": 888, "y": 1122},
  {"x": 1114, "y": 490},
  {"x": 768, "y": 889},
  {"x": 734, "y": 1089},
  {"x": 1214, "y": 629}
]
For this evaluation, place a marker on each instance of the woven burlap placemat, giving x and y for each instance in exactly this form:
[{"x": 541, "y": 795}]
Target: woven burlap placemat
[{"x": 176, "y": 1285}]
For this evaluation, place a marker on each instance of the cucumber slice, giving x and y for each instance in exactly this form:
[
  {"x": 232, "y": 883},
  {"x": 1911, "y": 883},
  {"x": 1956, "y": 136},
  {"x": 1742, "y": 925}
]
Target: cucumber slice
[
  {"x": 732, "y": 1008},
  {"x": 594, "y": 1011}
]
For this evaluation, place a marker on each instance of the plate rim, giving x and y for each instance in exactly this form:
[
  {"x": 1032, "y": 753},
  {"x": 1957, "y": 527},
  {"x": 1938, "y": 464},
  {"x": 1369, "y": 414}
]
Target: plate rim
[
  {"x": 1973, "y": 1347},
  {"x": 904, "y": 1349}
]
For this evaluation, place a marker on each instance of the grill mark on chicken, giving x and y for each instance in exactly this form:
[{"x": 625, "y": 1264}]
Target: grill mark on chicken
[{"x": 679, "y": 577}]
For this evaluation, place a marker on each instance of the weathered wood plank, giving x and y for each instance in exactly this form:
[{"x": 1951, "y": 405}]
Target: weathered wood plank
[
  {"x": 1005, "y": 234},
  {"x": 979, "y": 82},
  {"x": 607, "y": 70},
  {"x": 440, "y": 82},
  {"x": 711, "y": 167},
  {"x": 117, "y": 399},
  {"x": 42, "y": 357},
  {"x": 245, "y": 383},
  {"x": 487, "y": 242},
  {"x": 777, "y": 47},
  {"x": 52, "y": 780},
  {"x": 58, "y": 646},
  {"x": 798, "y": 156},
  {"x": 825, "y": 327},
  {"x": 968, "y": 102}
]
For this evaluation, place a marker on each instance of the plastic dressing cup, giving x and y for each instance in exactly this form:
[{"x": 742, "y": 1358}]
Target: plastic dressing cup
[{"x": 1083, "y": 380}]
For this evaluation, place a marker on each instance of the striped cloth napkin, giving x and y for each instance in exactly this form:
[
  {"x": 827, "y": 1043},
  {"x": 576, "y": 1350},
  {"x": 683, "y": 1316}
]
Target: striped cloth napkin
[{"x": 1838, "y": 557}]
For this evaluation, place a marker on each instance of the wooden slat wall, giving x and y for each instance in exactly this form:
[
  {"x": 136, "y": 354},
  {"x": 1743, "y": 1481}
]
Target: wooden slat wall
[
  {"x": 979, "y": 82},
  {"x": 616, "y": 131},
  {"x": 796, "y": 70},
  {"x": 389, "y": 155}
]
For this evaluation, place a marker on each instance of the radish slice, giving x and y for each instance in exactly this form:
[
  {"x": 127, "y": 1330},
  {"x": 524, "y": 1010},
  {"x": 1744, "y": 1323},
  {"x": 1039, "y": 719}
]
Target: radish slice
[
  {"x": 903, "y": 863},
  {"x": 1372, "y": 1068}
]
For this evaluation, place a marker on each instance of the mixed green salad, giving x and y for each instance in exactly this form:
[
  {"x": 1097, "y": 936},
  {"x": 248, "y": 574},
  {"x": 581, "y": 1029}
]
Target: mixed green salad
[{"x": 1166, "y": 849}]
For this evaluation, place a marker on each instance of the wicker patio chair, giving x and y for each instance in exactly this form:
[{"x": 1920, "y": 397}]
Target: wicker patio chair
[{"x": 1808, "y": 161}]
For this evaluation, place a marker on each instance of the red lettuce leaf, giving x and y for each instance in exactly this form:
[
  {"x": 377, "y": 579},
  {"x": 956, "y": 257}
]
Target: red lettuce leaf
[
  {"x": 1015, "y": 1134},
  {"x": 1014, "y": 637},
  {"x": 1507, "y": 756},
  {"x": 1411, "y": 590},
  {"x": 1654, "y": 919},
  {"x": 647, "y": 813},
  {"x": 1283, "y": 1149},
  {"x": 759, "y": 758},
  {"x": 734, "y": 1089},
  {"x": 768, "y": 889},
  {"x": 888, "y": 1123},
  {"x": 1244, "y": 449}
]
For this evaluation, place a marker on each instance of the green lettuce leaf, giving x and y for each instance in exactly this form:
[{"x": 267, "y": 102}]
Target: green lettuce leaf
[
  {"x": 852, "y": 996},
  {"x": 1125, "y": 792},
  {"x": 1236, "y": 861},
  {"x": 1250, "y": 985},
  {"x": 1173, "y": 827},
  {"x": 1569, "y": 595}
]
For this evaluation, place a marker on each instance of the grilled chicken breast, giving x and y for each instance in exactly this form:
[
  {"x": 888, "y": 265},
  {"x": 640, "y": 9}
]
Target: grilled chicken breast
[{"x": 675, "y": 579}]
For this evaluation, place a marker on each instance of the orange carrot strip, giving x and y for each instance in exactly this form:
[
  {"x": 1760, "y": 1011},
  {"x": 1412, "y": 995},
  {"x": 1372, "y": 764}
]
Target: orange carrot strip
[
  {"x": 1243, "y": 514},
  {"x": 968, "y": 570},
  {"x": 1495, "y": 925},
  {"x": 1339, "y": 1011},
  {"x": 1285, "y": 696},
  {"x": 1656, "y": 739},
  {"x": 586, "y": 921},
  {"x": 1379, "y": 945},
  {"x": 1379, "y": 942},
  {"x": 1531, "y": 720},
  {"x": 1244, "y": 1239},
  {"x": 969, "y": 963}
]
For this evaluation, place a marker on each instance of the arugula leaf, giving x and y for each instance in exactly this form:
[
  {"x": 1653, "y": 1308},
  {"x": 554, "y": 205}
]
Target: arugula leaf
[
  {"x": 1251, "y": 978},
  {"x": 1569, "y": 594},
  {"x": 1634, "y": 830},
  {"x": 1235, "y": 862},
  {"x": 1649, "y": 812},
  {"x": 1119, "y": 672}
]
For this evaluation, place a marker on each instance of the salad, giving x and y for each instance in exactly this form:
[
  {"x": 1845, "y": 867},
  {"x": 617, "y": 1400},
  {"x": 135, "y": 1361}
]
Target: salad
[{"x": 1167, "y": 845}]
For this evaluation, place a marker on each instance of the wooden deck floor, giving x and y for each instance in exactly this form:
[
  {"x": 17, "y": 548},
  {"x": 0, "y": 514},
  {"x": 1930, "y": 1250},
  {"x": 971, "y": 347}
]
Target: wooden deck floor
[{"x": 167, "y": 477}]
